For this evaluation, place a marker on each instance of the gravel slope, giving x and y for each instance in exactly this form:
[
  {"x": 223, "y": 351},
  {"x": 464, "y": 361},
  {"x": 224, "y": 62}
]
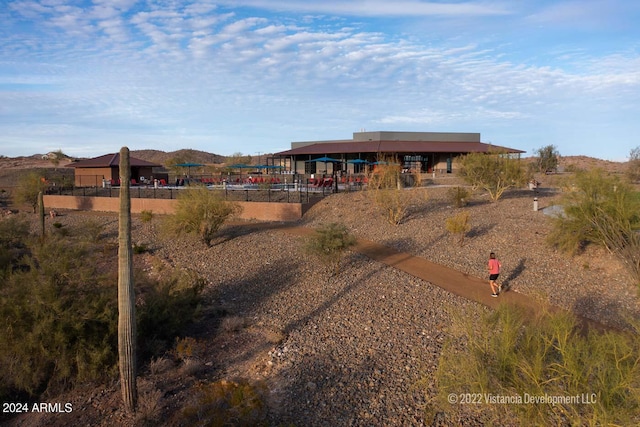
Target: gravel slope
[{"x": 359, "y": 348}]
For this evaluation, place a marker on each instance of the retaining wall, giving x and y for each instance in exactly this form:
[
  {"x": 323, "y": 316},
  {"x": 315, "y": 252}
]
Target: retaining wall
[{"x": 261, "y": 211}]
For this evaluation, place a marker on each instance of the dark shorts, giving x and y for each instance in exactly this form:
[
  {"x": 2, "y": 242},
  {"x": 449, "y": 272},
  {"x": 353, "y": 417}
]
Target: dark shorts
[{"x": 493, "y": 276}]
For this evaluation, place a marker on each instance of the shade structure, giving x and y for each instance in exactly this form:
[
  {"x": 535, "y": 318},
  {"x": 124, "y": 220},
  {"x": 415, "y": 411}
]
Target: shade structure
[
  {"x": 189, "y": 165},
  {"x": 325, "y": 159},
  {"x": 357, "y": 161}
]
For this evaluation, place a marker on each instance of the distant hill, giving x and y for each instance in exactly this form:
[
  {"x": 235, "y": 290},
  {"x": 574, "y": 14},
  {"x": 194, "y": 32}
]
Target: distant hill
[
  {"x": 587, "y": 163},
  {"x": 184, "y": 155}
]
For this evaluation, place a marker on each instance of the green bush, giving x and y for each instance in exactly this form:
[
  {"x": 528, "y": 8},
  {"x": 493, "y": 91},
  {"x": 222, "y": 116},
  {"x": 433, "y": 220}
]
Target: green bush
[
  {"x": 507, "y": 354},
  {"x": 166, "y": 307},
  {"x": 28, "y": 187},
  {"x": 61, "y": 321},
  {"x": 600, "y": 210},
  {"x": 459, "y": 196},
  {"x": 201, "y": 212},
  {"x": 59, "y": 311},
  {"x": 13, "y": 231},
  {"x": 329, "y": 242},
  {"x": 495, "y": 172}
]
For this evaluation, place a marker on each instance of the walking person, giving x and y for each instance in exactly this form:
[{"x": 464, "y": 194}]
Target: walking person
[{"x": 494, "y": 272}]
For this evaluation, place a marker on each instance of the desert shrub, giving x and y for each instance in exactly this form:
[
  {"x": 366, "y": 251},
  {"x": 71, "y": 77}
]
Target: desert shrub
[
  {"x": 160, "y": 365},
  {"x": 90, "y": 229},
  {"x": 146, "y": 216},
  {"x": 201, "y": 212},
  {"x": 601, "y": 210},
  {"x": 225, "y": 403},
  {"x": 149, "y": 407},
  {"x": 60, "y": 314},
  {"x": 164, "y": 309},
  {"x": 14, "y": 230},
  {"x": 633, "y": 166},
  {"x": 329, "y": 242},
  {"x": 189, "y": 348},
  {"x": 458, "y": 225},
  {"x": 547, "y": 159},
  {"x": 61, "y": 321},
  {"x": 386, "y": 189},
  {"x": 459, "y": 196},
  {"x": 140, "y": 248},
  {"x": 27, "y": 189},
  {"x": 495, "y": 172},
  {"x": 233, "y": 324},
  {"x": 593, "y": 377}
]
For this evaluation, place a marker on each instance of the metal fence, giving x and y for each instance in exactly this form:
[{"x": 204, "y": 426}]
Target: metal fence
[{"x": 247, "y": 193}]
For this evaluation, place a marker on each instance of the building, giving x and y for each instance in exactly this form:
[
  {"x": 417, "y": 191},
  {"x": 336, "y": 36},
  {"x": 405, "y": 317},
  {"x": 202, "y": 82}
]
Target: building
[
  {"x": 92, "y": 172},
  {"x": 423, "y": 152}
]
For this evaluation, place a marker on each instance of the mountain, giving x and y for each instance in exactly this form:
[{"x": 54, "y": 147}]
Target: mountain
[{"x": 182, "y": 156}]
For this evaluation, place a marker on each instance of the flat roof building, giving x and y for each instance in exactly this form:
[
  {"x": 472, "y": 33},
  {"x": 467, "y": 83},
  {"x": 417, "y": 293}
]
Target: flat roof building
[{"x": 416, "y": 151}]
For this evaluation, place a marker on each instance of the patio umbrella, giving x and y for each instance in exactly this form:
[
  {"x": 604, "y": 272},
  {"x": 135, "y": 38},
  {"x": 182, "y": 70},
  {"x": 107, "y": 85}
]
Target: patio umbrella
[
  {"x": 357, "y": 161},
  {"x": 325, "y": 159}
]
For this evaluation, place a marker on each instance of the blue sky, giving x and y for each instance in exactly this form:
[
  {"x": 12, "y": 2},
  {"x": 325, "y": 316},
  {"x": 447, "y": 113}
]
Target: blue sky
[{"x": 250, "y": 76}]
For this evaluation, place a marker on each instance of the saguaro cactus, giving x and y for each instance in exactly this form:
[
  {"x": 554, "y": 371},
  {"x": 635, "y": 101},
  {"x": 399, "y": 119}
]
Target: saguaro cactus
[
  {"x": 126, "y": 296},
  {"x": 41, "y": 213}
]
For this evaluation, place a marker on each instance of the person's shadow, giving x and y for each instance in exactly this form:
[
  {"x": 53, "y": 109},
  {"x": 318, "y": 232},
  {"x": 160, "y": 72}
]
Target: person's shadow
[{"x": 506, "y": 283}]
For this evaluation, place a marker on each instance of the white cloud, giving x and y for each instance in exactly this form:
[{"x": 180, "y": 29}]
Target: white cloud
[{"x": 381, "y": 8}]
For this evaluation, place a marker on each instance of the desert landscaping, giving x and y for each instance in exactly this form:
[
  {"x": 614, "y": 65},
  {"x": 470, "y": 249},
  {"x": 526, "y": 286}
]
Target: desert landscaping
[{"x": 360, "y": 347}]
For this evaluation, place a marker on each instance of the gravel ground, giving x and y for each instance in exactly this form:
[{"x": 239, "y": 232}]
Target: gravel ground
[{"x": 359, "y": 348}]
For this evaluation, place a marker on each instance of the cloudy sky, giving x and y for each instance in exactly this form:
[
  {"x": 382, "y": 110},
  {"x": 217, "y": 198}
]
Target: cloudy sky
[{"x": 250, "y": 76}]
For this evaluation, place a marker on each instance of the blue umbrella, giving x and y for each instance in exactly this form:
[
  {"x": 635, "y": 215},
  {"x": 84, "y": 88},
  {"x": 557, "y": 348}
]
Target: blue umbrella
[{"x": 357, "y": 161}]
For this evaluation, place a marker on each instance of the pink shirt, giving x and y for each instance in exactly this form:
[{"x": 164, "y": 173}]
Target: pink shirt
[{"x": 494, "y": 266}]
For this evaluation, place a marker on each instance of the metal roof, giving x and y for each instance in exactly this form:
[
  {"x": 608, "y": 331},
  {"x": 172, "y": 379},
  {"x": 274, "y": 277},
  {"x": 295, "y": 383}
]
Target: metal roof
[
  {"x": 108, "y": 161},
  {"x": 347, "y": 147}
]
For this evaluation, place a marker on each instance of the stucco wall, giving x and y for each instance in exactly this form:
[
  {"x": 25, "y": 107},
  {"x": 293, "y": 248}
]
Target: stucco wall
[{"x": 261, "y": 211}]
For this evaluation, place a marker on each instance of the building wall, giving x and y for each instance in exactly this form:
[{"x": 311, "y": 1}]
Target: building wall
[
  {"x": 92, "y": 177},
  {"x": 261, "y": 211}
]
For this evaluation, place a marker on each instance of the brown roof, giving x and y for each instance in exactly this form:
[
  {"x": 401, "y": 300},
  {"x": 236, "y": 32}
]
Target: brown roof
[
  {"x": 110, "y": 160},
  {"x": 325, "y": 148}
]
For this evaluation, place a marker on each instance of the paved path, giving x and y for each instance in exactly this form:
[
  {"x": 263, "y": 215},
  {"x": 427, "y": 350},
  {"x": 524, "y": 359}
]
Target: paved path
[{"x": 469, "y": 287}]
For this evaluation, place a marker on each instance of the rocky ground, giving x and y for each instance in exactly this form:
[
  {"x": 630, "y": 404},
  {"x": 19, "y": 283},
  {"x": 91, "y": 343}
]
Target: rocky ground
[{"x": 358, "y": 348}]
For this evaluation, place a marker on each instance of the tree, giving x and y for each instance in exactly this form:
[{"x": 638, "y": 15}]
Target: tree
[
  {"x": 633, "y": 167},
  {"x": 329, "y": 243},
  {"x": 202, "y": 212},
  {"x": 28, "y": 188},
  {"x": 238, "y": 158},
  {"x": 494, "y": 172},
  {"x": 126, "y": 294},
  {"x": 57, "y": 157},
  {"x": 547, "y": 159}
]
